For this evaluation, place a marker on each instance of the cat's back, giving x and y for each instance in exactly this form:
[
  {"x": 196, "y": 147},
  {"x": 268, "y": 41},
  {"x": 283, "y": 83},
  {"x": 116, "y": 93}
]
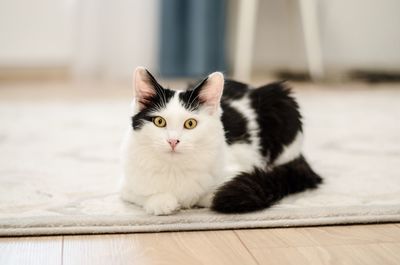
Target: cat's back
[{"x": 270, "y": 110}]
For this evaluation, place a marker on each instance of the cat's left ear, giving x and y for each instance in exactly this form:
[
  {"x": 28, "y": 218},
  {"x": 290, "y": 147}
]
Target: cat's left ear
[{"x": 211, "y": 91}]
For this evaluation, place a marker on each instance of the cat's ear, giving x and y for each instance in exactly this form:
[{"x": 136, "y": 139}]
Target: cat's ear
[
  {"x": 144, "y": 87},
  {"x": 211, "y": 91}
]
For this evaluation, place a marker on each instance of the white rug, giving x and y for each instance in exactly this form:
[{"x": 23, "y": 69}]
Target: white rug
[{"x": 59, "y": 168}]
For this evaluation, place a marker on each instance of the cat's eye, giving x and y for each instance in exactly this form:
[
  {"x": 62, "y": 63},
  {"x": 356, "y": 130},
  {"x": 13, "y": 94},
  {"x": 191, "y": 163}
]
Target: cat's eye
[
  {"x": 190, "y": 123},
  {"x": 159, "y": 121}
]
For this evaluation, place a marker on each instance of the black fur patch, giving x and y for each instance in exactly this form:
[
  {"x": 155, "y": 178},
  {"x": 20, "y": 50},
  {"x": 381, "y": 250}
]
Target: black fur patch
[
  {"x": 234, "y": 90},
  {"x": 260, "y": 189},
  {"x": 235, "y": 125},
  {"x": 190, "y": 98},
  {"x": 154, "y": 103},
  {"x": 278, "y": 117}
]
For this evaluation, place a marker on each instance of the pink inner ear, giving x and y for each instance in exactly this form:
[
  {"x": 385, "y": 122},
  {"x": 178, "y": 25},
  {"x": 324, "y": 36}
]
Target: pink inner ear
[
  {"x": 142, "y": 99},
  {"x": 143, "y": 87},
  {"x": 211, "y": 91}
]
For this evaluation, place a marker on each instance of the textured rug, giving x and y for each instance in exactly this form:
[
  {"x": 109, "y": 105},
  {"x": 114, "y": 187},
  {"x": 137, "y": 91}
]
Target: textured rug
[{"x": 59, "y": 168}]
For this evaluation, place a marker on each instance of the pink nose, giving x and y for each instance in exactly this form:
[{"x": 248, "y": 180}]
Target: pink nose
[{"x": 173, "y": 143}]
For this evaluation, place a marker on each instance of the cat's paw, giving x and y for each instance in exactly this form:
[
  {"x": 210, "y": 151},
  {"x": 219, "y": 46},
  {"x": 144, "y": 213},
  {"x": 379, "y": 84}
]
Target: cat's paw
[{"x": 161, "y": 204}]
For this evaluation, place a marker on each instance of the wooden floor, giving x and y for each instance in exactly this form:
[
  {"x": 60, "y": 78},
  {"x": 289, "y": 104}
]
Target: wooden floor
[{"x": 359, "y": 244}]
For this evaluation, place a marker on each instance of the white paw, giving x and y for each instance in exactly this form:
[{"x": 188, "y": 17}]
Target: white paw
[
  {"x": 206, "y": 200},
  {"x": 161, "y": 204}
]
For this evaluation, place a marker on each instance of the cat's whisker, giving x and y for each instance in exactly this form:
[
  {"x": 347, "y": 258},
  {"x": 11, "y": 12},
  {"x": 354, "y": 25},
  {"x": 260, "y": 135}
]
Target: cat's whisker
[
  {"x": 192, "y": 101},
  {"x": 191, "y": 94},
  {"x": 164, "y": 98}
]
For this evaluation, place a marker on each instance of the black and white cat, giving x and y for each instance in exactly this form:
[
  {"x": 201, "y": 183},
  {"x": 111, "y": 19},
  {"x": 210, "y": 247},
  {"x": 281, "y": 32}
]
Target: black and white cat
[{"x": 219, "y": 144}]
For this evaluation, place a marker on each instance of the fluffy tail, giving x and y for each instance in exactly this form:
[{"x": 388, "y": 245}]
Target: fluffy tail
[{"x": 260, "y": 189}]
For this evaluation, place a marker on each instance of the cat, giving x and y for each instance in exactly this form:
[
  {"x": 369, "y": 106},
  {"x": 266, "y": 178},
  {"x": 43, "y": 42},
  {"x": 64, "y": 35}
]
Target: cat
[{"x": 219, "y": 144}]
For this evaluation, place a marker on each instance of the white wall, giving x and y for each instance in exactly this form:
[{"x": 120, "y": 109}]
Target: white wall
[
  {"x": 361, "y": 34},
  {"x": 113, "y": 37},
  {"x": 95, "y": 38},
  {"x": 355, "y": 34},
  {"x": 35, "y": 33}
]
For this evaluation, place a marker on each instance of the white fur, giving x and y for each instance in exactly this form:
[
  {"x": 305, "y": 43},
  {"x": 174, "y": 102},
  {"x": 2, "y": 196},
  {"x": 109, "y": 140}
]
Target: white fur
[
  {"x": 245, "y": 156},
  {"x": 291, "y": 151}
]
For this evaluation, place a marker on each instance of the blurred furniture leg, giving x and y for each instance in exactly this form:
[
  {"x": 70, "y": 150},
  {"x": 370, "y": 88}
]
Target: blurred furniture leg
[
  {"x": 247, "y": 16},
  {"x": 309, "y": 17}
]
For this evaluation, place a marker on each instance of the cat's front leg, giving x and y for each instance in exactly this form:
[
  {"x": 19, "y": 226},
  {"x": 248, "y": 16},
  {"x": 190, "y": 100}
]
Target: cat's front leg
[{"x": 161, "y": 204}]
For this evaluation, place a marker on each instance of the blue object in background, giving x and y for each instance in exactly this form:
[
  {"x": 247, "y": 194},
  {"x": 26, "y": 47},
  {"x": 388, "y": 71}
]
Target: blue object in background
[{"x": 192, "y": 37}]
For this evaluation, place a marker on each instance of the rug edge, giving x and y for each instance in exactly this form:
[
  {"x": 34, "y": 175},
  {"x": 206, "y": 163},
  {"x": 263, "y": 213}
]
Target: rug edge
[{"x": 92, "y": 230}]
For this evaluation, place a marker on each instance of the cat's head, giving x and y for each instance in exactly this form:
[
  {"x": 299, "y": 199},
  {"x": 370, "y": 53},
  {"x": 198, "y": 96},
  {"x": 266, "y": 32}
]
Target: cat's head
[{"x": 174, "y": 122}]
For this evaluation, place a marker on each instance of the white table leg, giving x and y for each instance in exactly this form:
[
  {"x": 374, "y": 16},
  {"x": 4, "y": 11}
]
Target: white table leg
[
  {"x": 309, "y": 18},
  {"x": 247, "y": 16}
]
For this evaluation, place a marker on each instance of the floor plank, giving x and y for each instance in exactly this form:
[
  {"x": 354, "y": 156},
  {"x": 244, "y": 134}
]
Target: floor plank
[
  {"x": 275, "y": 237},
  {"x": 363, "y": 254},
  {"x": 354, "y": 234},
  {"x": 211, "y": 247},
  {"x": 380, "y": 253},
  {"x": 320, "y": 236},
  {"x": 357, "y": 244},
  {"x": 31, "y": 250}
]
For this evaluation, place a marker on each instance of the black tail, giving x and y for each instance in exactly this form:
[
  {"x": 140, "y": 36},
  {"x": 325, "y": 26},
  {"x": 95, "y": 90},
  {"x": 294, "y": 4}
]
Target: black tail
[{"x": 260, "y": 189}]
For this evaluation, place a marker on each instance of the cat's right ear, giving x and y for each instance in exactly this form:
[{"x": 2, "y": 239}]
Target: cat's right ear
[{"x": 144, "y": 87}]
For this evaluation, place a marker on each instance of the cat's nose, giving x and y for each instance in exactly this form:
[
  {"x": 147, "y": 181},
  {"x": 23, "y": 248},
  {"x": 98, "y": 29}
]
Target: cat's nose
[{"x": 173, "y": 143}]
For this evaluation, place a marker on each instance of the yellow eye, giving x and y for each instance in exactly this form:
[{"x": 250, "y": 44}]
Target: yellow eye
[
  {"x": 159, "y": 121},
  {"x": 190, "y": 123}
]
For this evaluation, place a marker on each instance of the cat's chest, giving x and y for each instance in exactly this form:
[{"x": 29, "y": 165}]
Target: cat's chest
[
  {"x": 186, "y": 186},
  {"x": 152, "y": 175}
]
